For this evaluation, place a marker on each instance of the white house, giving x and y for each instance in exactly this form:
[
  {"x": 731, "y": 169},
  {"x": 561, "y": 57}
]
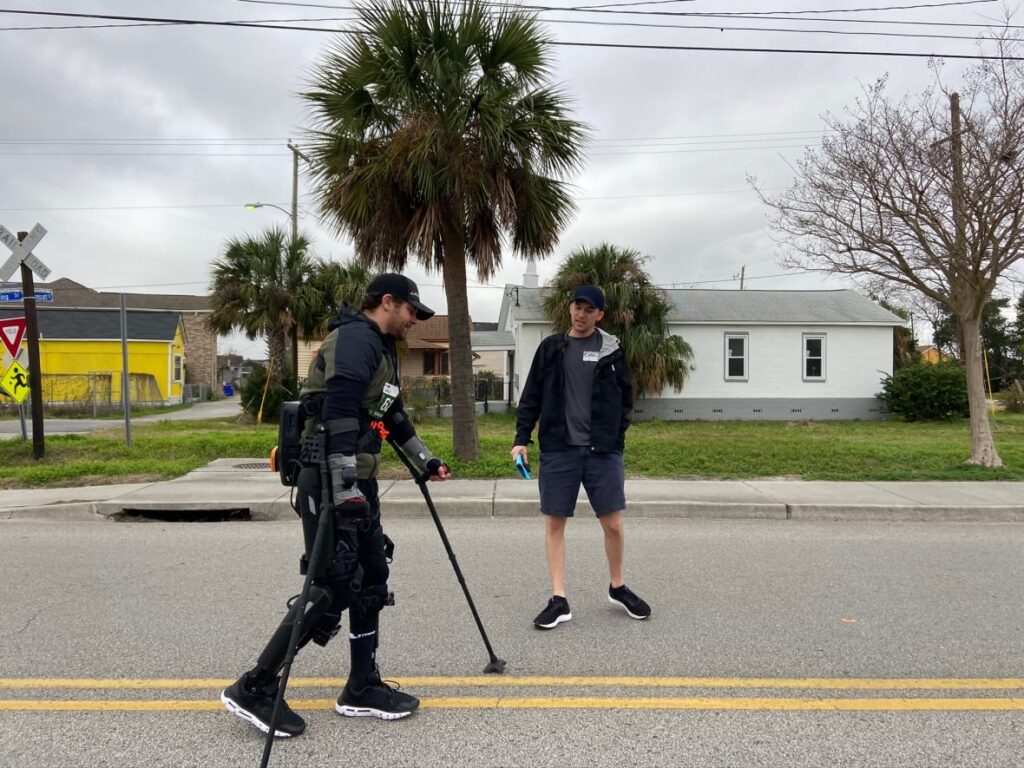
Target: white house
[{"x": 757, "y": 354}]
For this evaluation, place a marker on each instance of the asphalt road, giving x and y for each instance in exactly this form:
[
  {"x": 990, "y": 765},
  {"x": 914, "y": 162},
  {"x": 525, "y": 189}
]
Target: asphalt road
[{"x": 772, "y": 643}]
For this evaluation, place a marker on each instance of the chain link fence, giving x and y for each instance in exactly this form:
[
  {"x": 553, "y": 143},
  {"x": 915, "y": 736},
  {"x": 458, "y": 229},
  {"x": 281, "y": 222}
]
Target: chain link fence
[
  {"x": 432, "y": 395},
  {"x": 97, "y": 393}
]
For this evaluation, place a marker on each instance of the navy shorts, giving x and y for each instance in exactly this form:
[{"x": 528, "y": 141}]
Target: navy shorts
[{"x": 602, "y": 475}]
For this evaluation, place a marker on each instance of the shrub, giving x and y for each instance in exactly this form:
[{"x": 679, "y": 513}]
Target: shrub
[
  {"x": 252, "y": 394},
  {"x": 926, "y": 392},
  {"x": 1012, "y": 398}
]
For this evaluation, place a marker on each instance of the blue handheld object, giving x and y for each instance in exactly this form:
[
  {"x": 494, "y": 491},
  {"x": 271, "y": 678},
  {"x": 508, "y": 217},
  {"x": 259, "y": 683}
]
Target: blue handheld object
[{"x": 523, "y": 467}]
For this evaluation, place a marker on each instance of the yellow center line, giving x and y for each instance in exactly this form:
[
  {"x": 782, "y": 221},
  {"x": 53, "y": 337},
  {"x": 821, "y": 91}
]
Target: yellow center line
[
  {"x": 563, "y": 702},
  {"x": 807, "y": 683}
]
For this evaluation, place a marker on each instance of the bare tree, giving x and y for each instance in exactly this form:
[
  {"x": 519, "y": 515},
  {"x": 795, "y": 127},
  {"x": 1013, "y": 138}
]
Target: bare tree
[{"x": 923, "y": 194}]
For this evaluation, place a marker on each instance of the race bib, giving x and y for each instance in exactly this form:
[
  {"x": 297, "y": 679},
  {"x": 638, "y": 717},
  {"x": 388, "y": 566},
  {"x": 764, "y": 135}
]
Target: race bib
[{"x": 387, "y": 398}]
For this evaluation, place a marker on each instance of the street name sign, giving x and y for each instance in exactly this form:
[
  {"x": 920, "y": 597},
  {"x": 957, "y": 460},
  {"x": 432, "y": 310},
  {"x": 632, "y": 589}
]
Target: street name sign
[
  {"x": 12, "y": 331},
  {"x": 15, "y": 382},
  {"x": 6, "y": 296},
  {"x": 22, "y": 252}
]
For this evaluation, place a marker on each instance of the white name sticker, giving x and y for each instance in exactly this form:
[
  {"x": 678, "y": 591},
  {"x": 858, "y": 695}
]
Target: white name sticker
[
  {"x": 391, "y": 390},
  {"x": 590, "y": 357}
]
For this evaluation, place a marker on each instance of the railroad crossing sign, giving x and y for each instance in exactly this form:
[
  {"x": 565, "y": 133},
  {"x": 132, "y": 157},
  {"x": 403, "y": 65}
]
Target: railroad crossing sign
[
  {"x": 22, "y": 252},
  {"x": 15, "y": 382},
  {"x": 12, "y": 331}
]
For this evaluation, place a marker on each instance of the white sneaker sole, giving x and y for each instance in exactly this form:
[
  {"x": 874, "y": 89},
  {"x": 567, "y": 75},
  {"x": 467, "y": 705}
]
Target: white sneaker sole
[
  {"x": 555, "y": 623},
  {"x": 349, "y": 711},
  {"x": 622, "y": 605},
  {"x": 233, "y": 707}
]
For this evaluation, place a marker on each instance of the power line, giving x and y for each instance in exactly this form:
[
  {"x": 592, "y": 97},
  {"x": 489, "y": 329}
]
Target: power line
[
  {"x": 776, "y": 30},
  {"x": 751, "y": 15},
  {"x": 239, "y": 206},
  {"x": 574, "y": 44},
  {"x": 863, "y": 10},
  {"x": 692, "y": 151}
]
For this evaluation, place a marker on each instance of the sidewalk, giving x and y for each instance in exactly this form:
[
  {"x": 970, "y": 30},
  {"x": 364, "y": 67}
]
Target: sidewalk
[{"x": 247, "y": 484}]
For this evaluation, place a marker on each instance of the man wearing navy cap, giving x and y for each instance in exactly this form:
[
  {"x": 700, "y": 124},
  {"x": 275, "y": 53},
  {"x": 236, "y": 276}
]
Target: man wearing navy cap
[{"x": 579, "y": 389}]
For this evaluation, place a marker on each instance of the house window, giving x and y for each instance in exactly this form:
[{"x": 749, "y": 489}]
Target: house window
[
  {"x": 736, "y": 356},
  {"x": 435, "y": 363},
  {"x": 177, "y": 367},
  {"x": 814, "y": 357}
]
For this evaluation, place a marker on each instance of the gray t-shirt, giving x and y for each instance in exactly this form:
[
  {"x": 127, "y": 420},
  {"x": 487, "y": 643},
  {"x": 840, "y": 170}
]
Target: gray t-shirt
[{"x": 580, "y": 363}]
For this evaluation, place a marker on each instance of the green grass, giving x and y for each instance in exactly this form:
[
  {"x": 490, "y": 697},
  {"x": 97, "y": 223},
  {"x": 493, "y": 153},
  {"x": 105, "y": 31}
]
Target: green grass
[{"x": 829, "y": 450}]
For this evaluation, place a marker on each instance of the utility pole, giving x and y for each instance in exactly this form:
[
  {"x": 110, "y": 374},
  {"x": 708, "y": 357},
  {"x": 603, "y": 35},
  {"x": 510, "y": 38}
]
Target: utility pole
[
  {"x": 296, "y": 154},
  {"x": 957, "y": 151},
  {"x": 958, "y": 262},
  {"x": 35, "y": 370},
  {"x": 743, "y": 271}
]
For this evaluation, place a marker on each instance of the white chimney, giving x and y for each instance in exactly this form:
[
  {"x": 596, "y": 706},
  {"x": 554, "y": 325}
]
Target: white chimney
[{"x": 530, "y": 278}]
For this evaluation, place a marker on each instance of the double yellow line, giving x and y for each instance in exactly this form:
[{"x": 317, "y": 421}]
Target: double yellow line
[{"x": 949, "y": 703}]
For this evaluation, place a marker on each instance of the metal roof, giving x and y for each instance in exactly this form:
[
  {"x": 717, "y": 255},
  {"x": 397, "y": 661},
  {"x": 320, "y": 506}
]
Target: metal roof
[
  {"x": 102, "y": 324},
  {"x": 492, "y": 339},
  {"x": 68, "y": 293},
  {"x": 691, "y": 306}
]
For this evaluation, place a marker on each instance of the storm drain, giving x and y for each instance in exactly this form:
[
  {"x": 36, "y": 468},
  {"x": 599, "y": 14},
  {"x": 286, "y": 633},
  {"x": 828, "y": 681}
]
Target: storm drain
[
  {"x": 182, "y": 515},
  {"x": 260, "y": 465}
]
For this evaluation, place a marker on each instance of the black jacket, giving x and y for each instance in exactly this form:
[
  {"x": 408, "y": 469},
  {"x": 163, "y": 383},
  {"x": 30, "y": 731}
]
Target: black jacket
[{"x": 543, "y": 396}]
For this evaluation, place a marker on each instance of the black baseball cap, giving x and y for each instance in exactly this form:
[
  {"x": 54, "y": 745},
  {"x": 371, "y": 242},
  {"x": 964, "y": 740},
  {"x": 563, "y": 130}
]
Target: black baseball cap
[
  {"x": 590, "y": 294},
  {"x": 401, "y": 287}
]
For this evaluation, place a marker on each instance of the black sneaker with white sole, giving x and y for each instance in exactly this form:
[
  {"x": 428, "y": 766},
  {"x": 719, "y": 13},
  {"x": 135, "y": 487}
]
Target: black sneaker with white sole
[
  {"x": 555, "y": 613},
  {"x": 255, "y": 704},
  {"x": 377, "y": 699},
  {"x": 625, "y": 598}
]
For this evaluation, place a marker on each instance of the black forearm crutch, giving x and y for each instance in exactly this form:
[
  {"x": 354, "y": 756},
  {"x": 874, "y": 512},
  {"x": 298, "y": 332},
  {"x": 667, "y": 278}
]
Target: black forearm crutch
[
  {"x": 312, "y": 565},
  {"x": 495, "y": 666}
]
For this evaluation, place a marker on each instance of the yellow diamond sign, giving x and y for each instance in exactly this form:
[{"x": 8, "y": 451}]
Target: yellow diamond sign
[{"x": 15, "y": 382}]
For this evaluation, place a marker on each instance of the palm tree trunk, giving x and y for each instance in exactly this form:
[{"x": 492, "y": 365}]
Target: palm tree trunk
[
  {"x": 464, "y": 434},
  {"x": 983, "y": 447},
  {"x": 276, "y": 350},
  {"x": 293, "y": 338}
]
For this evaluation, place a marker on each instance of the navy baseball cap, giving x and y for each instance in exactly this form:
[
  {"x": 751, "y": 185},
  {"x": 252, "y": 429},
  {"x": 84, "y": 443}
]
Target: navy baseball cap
[
  {"x": 401, "y": 287},
  {"x": 590, "y": 294}
]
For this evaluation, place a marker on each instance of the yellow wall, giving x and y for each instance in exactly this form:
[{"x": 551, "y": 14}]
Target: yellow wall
[
  {"x": 177, "y": 373},
  {"x": 80, "y": 356}
]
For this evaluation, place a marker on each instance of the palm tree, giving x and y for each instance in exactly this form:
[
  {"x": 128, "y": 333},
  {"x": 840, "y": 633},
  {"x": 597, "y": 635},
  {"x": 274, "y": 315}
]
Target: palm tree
[
  {"x": 330, "y": 285},
  {"x": 253, "y": 286},
  {"x": 635, "y": 310},
  {"x": 437, "y": 136}
]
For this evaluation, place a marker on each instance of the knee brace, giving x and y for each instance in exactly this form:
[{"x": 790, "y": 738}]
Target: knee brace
[
  {"x": 320, "y": 600},
  {"x": 330, "y": 621},
  {"x": 378, "y": 551},
  {"x": 371, "y": 599}
]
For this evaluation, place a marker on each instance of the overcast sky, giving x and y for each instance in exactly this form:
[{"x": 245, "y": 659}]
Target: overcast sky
[{"x": 138, "y": 146}]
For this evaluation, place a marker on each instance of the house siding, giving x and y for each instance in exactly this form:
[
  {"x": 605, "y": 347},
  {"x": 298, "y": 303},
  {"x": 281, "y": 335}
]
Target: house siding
[
  {"x": 856, "y": 358},
  {"x": 85, "y": 357}
]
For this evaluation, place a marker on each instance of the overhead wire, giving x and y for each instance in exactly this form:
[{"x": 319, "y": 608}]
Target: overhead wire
[{"x": 576, "y": 44}]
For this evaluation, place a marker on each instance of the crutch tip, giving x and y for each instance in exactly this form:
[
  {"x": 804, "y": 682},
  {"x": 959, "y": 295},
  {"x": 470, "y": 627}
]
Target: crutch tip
[{"x": 495, "y": 667}]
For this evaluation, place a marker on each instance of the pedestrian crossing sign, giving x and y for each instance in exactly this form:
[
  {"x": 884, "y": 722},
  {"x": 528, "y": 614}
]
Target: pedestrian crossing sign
[{"x": 15, "y": 382}]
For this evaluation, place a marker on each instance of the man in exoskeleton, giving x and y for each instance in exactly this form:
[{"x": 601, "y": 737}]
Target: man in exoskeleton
[{"x": 352, "y": 398}]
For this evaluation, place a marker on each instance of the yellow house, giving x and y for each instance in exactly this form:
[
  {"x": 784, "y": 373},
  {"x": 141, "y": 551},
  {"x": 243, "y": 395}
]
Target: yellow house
[
  {"x": 930, "y": 354},
  {"x": 81, "y": 356}
]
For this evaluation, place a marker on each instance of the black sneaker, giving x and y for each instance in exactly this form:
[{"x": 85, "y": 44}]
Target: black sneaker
[
  {"x": 378, "y": 699},
  {"x": 625, "y": 597},
  {"x": 556, "y": 612},
  {"x": 255, "y": 705}
]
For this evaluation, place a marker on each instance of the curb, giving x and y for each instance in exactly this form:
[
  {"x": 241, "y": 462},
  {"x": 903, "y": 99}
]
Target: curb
[{"x": 470, "y": 508}]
